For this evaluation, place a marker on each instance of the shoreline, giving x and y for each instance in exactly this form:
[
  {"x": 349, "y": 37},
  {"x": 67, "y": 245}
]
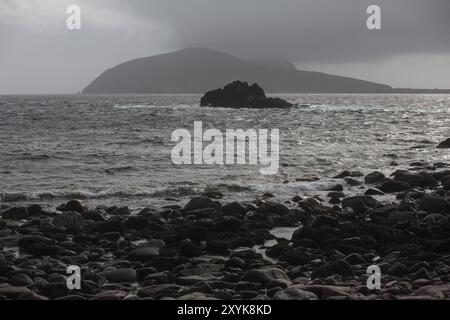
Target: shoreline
[{"x": 213, "y": 248}]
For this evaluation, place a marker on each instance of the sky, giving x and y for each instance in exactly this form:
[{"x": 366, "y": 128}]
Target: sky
[{"x": 38, "y": 54}]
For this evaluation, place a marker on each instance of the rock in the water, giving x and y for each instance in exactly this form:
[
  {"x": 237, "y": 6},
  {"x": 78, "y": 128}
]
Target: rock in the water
[
  {"x": 273, "y": 207},
  {"x": 15, "y": 213},
  {"x": 359, "y": 204},
  {"x": 137, "y": 223},
  {"x": 94, "y": 216},
  {"x": 74, "y": 205},
  {"x": 348, "y": 173},
  {"x": 392, "y": 186},
  {"x": 374, "y": 177},
  {"x": 335, "y": 188},
  {"x": 293, "y": 293},
  {"x": 444, "y": 144},
  {"x": 69, "y": 220},
  {"x": 123, "y": 211},
  {"x": 421, "y": 179},
  {"x": 240, "y": 95},
  {"x": 230, "y": 224},
  {"x": 340, "y": 267},
  {"x": 233, "y": 208},
  {"x": 201, "y": 203},
  {"x": 373, "y": 192}
]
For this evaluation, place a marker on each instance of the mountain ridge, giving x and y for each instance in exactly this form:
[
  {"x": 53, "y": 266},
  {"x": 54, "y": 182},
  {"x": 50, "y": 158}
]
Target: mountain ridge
[{"x": 198, "y": 70}]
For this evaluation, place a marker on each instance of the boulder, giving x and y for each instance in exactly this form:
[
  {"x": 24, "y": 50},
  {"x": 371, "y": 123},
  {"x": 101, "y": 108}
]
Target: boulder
[
  {"x": 268, "y": 207},
  {"x": 137, "y": 223},
  {"x": 438, "y": 291},
  {"x": 392, "y": 186},
  {"x": 359, "y": 204},
  {"x": 189, "y": 249},
  {"x": 20, "y": 280},
  {"x": 340, "y": 267},
  {"x": 444, "y": 144},
  {"x": 401, "y": 216},
  {"x": 348, "y": 173},
  {"x": 374, "y": 177},
  {"x": 270, "y": 277},
  {"x": 93, "y": 215},
  {"x": 120, "y": 275},
  {"x": 13, "y": 292},
  {"x": 355, "y": 258},
  {"x": 433, "y": 204},
  {"x": 74, "y": 205},
  {"x": 15, "y": 213},
  {"x": 112, "y": 225},
  {"x": 294, "y": 294},
  {"x": 228, "y": 224},
  {"x": 233, "y": 208},
  {"x": 421, "y": 179},
  {"x": 144, "y": 254},
  {"x": 241, "y": 95},
  {"x": 122, "y": 211},
  {"x": 201, "y": 203},
  {"x": 69, "y": 220}
]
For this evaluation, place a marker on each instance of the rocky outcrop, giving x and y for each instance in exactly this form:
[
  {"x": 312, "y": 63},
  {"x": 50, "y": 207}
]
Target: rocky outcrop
[
  {"x": 444, "y": 144},
  {"x": 304, "y": 249},
  {"x": 241, "y": 95}
]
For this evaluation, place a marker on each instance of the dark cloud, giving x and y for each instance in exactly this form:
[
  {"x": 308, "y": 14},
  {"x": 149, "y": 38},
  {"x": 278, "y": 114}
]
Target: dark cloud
[
  {"x": 330, "y": 35},
  {"x": 326, "y": 31}
]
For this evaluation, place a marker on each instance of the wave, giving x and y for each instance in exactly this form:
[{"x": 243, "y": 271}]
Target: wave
[
  {"x": 32, "y": 157},
  {"x": 181, "y": 190},
  {"x": 150, "y": 106}
]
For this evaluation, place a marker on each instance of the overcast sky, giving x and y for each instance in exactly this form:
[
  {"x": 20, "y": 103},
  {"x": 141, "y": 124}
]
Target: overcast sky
[{"x": 39, "y": 55}]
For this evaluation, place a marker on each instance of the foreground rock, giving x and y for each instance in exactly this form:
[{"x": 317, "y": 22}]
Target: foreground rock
[
  {"x": 240, "y": 95},
  {"x": 444, "y": 144},
  {"x": 311, "y": 247}
]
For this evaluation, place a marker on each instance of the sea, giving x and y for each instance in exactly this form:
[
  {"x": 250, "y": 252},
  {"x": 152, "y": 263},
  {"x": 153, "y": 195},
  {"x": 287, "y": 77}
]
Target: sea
[{"x": 116, "y": 149}]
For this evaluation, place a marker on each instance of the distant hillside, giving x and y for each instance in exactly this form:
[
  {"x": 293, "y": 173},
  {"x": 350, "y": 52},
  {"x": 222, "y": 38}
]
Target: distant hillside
[{"x": 200, "y": 70}]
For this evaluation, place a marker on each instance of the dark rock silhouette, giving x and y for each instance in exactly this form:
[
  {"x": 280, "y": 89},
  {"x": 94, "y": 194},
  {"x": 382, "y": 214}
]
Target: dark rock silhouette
[
  {"x": 200, "y": 70},
  {"x": 241, "y": 95},
  {"x": 444, "y": 144}
]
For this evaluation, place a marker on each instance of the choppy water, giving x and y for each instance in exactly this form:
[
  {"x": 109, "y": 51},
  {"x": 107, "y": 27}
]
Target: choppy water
[{"x": 114, "y": 149}]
